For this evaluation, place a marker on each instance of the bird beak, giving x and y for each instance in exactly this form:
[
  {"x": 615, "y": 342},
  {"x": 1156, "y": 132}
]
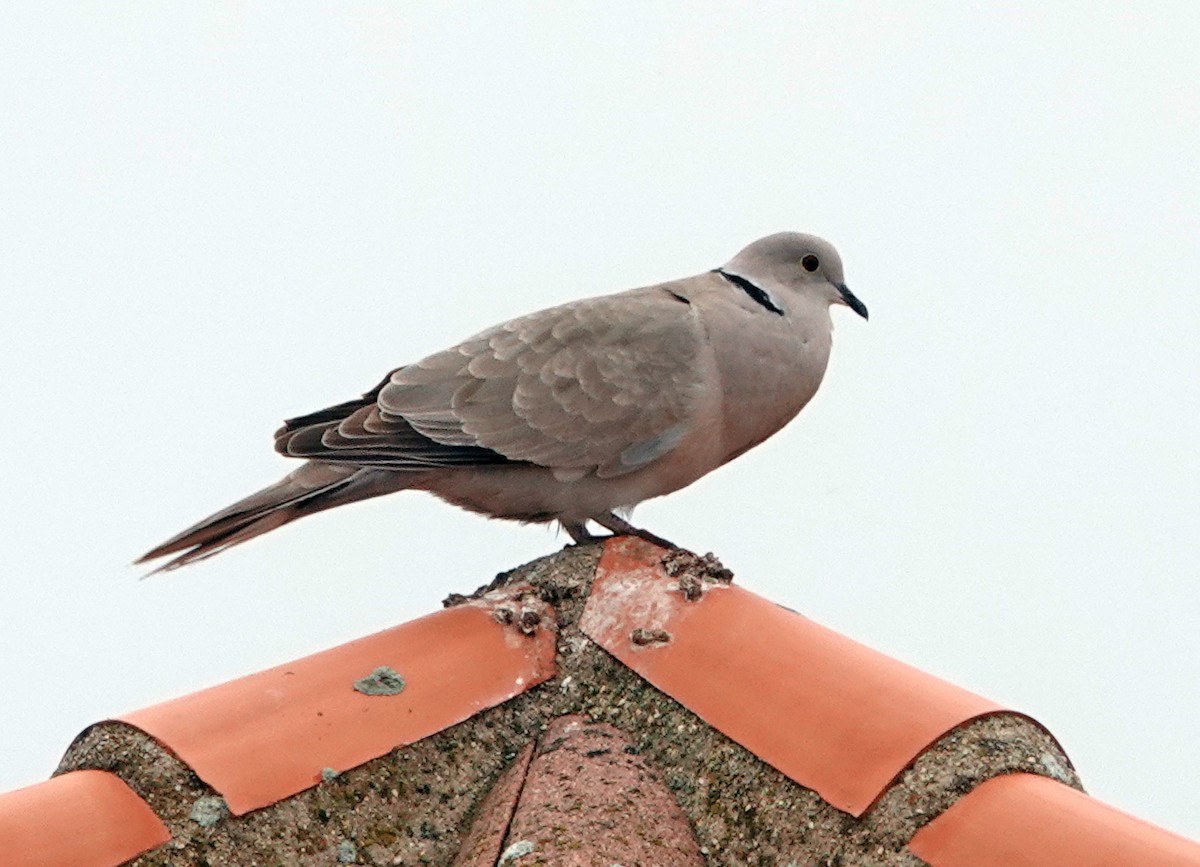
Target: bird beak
[{"x": 851, "y": 300}]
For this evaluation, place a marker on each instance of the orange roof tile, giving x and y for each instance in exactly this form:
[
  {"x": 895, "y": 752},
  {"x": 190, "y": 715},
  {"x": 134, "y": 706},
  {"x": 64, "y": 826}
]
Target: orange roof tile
[
  {"x": 1023, "y": 820},
  {"x": 589, "y": 798},
  {"x": 80, "y": 819},
  {"x": 586, "y": 798},
  {"x": 484, "y": 842},
  {"x": 833, "y": 715},
  {"x": 269, "y": 735}
]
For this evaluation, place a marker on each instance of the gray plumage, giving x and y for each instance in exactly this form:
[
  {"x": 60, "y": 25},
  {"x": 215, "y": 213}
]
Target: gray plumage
[{"x": 572, "y": 413}]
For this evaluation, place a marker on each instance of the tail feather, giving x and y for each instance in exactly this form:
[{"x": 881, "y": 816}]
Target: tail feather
[{"x": 312, "y": 488}]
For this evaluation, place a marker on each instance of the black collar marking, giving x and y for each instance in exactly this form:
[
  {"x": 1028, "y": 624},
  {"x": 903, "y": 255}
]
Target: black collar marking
[{"x": 759, "y": 296}]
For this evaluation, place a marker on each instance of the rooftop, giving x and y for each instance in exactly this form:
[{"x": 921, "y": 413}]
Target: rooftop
[{"x": 613, "y": 703}]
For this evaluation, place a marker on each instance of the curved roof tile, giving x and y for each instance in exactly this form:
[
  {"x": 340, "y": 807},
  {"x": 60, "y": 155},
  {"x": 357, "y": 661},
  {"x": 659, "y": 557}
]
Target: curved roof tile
[
  {"x": 1024, "y": 820},
  {"x": 832, "y": 714},
  {"x": 270, "y": 735},
  {"x": 80, "y": 819},
  {"x": 586, "y": 797}
]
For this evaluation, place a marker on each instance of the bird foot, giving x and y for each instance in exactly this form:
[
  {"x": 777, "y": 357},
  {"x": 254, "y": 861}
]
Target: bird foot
[
  {"x": 580, "y": 535},
  {"x": 621, "y": 527}
]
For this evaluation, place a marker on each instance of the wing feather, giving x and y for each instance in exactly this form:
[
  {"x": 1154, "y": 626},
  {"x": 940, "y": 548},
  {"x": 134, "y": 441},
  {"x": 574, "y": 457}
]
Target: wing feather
[
  {"x": 603, "y": 385},
  {"x": 576, "y": 386}
]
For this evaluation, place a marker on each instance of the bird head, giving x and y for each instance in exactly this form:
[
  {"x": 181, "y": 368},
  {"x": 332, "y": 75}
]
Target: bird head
[{"x": 792, "y": 262}]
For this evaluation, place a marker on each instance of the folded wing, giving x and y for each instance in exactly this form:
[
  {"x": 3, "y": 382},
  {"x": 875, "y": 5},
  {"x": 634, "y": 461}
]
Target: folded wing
[{"x": 605, "y": 384}]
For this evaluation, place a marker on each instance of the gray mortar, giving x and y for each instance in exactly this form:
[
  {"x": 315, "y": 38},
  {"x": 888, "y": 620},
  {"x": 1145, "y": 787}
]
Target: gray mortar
[
  {"x": 414, "y": 805},
  {"x": 209, "y": 810}
]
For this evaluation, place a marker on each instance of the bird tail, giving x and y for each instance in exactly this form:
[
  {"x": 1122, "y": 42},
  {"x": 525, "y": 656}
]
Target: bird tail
[{"x": 312, "y": 488}]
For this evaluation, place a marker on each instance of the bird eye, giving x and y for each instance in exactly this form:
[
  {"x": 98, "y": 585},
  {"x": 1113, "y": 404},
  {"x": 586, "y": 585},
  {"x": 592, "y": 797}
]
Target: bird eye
[{"x": 810, "y": 262}]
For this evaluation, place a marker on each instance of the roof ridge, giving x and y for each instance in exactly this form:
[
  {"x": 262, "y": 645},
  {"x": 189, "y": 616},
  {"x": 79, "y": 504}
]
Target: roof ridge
[{"x": 388, "y": 747}]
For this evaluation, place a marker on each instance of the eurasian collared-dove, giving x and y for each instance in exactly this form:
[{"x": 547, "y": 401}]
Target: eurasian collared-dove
[{"x": 573, "y": 413}]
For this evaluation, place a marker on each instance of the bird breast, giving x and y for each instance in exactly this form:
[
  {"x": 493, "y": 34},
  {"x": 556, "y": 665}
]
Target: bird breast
[{"x": 770, "y": 366}]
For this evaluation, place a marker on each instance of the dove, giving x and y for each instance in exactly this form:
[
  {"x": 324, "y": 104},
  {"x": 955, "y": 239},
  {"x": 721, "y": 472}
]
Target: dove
[{"x": 575, "y": 413}]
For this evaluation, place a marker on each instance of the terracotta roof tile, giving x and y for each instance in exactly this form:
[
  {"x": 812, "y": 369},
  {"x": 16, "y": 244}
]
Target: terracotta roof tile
[
  {"x": 833, "y": 715},
  {"x": 1023, "y": 820},
  {"x": 594, "y": 764},
  {"x": 586, "y": 798},
  {"x": 485, "y": 841},
  {"x": 80, "y": 819},
  {"x": 269, "y": 735}
]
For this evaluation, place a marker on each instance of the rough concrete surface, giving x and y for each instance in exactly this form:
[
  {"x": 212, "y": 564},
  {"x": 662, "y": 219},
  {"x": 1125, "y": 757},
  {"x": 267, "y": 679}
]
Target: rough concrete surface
[{"x": 416, "y": 804}]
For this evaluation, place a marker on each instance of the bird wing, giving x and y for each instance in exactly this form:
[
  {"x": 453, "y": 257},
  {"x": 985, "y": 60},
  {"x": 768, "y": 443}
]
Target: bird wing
[
  {"x": 354, "y": 433},
  {"x": 604, "y": 384}
]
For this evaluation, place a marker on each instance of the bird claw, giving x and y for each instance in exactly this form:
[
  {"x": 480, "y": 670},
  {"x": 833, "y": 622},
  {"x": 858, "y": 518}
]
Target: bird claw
[
  {"x": 621, "y": 527},
  {"x": 580, "y": 535}
]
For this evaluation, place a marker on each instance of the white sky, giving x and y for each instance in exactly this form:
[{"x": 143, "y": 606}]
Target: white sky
[{"x": 215, "y": 216}]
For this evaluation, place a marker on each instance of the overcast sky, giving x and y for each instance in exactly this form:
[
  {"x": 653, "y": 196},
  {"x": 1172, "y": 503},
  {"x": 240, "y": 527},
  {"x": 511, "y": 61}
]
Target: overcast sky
[{"x": 214, "y": 216}]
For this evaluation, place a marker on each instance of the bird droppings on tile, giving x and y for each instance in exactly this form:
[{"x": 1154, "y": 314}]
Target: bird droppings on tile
[
  {"x": 708, "y": 567},
  {"x": 691, "y": 586},
  {"x": 642, "y": 637},
  {"x": 520, "y": 605},
  {"x": 384, "y": 680},
  {"x": 209, "y": 810},
  {"x": 693, "y": 572},
  {"x": 517, "y": 850},
  {"x": 347, "y": 852},
  {"x": 530, "y": 620}
]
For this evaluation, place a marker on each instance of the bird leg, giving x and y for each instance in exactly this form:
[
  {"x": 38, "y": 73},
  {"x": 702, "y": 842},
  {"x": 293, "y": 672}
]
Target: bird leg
[
  {"x": 578, "y": 532},
  {"x": 621, "y": 527}
]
